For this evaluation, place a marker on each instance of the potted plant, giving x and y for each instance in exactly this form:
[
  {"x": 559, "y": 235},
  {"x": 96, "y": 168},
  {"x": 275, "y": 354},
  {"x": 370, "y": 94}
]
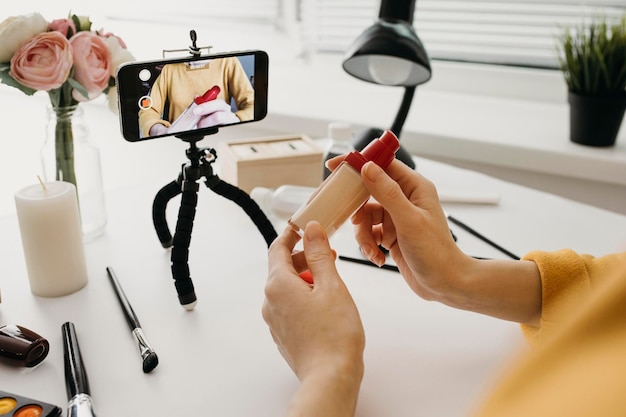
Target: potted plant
[{"x": 593, "y": 61}]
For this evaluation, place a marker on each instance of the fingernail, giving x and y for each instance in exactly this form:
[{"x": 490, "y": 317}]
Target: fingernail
[
  {"x": 368, "y": 251},
  {"x": 314, "y": 232},
  {"x": 307, "y": 276},
  {"x": 372, "y": 171},
  {"x": 371, "y": 253}
]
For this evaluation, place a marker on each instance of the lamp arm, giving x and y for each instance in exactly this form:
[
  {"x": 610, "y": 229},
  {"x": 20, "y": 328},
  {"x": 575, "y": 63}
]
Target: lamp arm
[
  {"x": 403, "y": 111},
  {"x": 397, "y": 10}
]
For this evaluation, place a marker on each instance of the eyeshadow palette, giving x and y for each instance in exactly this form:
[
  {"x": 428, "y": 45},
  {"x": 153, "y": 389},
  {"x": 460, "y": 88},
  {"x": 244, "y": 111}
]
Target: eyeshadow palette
[{"x": 12, "y": 405}]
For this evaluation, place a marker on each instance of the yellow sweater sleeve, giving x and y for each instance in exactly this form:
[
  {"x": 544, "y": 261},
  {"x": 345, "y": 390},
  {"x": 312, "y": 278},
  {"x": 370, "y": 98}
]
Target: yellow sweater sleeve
[
  {"x": 567, "y": 280},
  {"x": 578, "y": 367}
]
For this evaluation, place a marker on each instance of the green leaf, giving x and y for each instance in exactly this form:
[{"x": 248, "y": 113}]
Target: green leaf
[
  {"x": 5, "y": 78},
  {"x": 592, "y": 57},
  {"x": 55, "y": 97},
  {"x": 78, "y": 87},
  {"x": 83, "y": 23},
  {"x": 76, "y": 22}
]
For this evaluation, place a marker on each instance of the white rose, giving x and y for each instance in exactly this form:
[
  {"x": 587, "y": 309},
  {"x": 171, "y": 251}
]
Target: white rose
[
  {"x": 112, "y": 100},
  {"x": 16, "y": 30},
  {"x": 119, "y": 54}
]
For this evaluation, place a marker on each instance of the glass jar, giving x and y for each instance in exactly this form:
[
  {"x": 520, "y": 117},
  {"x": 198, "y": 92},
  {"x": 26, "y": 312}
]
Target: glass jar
[{"x": 69, "y": 155}]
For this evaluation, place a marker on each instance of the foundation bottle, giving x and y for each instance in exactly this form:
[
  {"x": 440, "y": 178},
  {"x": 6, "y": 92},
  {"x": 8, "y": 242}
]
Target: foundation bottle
[{"x": 343, "y": 192}]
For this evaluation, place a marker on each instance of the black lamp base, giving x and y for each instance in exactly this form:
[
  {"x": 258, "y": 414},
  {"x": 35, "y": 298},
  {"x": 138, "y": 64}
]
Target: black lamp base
[{"x": 362, "y": 139}]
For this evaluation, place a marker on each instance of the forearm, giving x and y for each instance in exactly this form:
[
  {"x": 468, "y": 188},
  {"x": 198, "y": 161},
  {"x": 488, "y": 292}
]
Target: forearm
[
  {"x": 506, "y": 289},
  {"x": 329, "y": 393}
]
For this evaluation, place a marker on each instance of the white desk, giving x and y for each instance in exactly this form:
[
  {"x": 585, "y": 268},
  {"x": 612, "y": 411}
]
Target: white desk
[{"x": 220, "y": 359}]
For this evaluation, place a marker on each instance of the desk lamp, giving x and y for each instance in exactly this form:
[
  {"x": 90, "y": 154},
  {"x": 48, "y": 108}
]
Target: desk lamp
[{"x": 390, "y": 53}]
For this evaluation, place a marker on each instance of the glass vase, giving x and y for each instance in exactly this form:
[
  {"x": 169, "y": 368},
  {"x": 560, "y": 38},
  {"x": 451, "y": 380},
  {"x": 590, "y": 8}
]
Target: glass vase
[{"x": 69, "y": 155}]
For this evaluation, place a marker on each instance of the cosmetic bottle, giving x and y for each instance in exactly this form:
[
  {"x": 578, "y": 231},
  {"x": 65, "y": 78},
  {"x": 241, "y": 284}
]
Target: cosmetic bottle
[
  {"x": 21, "y": 346},
  {"x": 343, "y": 192},
  {"x": 281, "y": 203},
  {"x": 339, "y": 142}
]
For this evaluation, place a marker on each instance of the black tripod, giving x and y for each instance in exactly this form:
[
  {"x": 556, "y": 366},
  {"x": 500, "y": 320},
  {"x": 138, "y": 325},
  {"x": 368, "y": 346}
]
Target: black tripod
[{"x": 199, "y": 166}]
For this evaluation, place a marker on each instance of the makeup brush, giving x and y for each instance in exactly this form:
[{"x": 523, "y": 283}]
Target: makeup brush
[
  {"x": 148, "y": 355},
  {"x": 76, "y": 382}
]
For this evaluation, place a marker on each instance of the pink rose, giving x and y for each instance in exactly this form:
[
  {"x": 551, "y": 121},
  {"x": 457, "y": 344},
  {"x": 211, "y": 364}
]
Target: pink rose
[
  {"x": 92, "y": 64},
  {"x": 65, "y": 26},
  {"x": 44, "y": 62}
]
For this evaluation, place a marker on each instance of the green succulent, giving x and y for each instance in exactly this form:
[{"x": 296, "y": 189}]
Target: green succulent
[{"x": 593, "y": 58}]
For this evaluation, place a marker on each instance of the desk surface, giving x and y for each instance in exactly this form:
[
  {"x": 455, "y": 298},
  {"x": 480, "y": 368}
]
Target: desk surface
[{"x": 220, "y": 359}]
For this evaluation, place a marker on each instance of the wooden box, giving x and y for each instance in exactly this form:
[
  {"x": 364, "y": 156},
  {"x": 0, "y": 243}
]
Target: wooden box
[{"x": 271, "y": 162}]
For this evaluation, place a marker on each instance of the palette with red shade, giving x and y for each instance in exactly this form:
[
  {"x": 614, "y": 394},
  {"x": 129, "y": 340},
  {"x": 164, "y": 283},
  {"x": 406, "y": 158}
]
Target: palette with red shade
[{"x": 12, "y": 405}]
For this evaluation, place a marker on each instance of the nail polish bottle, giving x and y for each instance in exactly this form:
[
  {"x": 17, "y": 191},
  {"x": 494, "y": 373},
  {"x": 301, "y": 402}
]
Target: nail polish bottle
[{"x": 343, "y": 192}]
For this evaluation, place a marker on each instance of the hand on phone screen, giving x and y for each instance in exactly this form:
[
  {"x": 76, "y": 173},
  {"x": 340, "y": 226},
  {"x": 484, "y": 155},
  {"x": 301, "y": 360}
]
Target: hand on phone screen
[
  {"x": 213, "y": 113},
  {"x": 189, "y": 118}
]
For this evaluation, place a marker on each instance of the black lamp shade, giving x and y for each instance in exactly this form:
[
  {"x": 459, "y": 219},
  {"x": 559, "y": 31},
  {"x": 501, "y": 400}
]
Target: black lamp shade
[{"x": 389, "y": 53}]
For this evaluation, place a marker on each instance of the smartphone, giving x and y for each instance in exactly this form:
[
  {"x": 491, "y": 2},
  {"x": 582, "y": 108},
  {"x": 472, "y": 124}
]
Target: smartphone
[{"x": 192, "y": 96}]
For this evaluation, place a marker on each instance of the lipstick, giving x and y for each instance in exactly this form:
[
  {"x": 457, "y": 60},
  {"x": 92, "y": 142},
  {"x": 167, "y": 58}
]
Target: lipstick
[
  {"x": 76, "y": 382},
  {"x": 188, "y": 119}
]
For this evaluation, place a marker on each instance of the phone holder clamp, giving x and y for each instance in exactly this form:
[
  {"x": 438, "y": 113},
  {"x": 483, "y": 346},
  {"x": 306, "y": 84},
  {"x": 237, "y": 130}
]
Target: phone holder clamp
[{"x": 193, "y": 49}]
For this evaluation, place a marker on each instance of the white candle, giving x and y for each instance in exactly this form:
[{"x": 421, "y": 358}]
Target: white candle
[{"x": 52, "y": 239}]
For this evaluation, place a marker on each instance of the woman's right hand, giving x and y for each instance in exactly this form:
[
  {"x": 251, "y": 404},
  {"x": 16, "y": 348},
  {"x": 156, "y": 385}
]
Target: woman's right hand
[{"x": 408, "y": 220}]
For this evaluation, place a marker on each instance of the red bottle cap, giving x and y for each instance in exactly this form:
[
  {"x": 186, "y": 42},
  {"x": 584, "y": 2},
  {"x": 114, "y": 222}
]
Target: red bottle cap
[{"x": 381, "y": 151}]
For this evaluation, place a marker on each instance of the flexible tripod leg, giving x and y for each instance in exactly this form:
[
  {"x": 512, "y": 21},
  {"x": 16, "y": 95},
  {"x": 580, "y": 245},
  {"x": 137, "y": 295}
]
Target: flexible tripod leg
[
  {"x": 182, "y": 234},
  {"x": 186, "y": 184},
  {"x": 159, "y": 207},
  {"x": 180, "y": 245},
  {"x": 243, "y": 200}
]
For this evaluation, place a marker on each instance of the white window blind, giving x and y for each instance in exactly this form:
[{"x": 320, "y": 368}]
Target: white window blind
[
  {"x": 191, "y": 11},
  {"x": 508, "y": 32}
]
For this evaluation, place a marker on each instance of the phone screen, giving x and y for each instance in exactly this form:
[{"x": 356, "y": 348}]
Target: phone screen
[{"x": 193, "y": 95}]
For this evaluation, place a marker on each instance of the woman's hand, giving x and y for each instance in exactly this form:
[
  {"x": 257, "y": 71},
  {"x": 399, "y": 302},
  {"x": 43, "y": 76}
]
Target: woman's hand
[
  {"x": 407, "y": 218},
  {"x": 316, "y": 327},
  {"x": 159, "y": 129},
  {"x": 215, "y": 112}
]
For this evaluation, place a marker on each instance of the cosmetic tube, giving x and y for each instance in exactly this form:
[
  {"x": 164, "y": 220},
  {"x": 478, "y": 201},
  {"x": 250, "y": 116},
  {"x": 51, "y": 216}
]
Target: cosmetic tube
[
  {"x": 343, "y": 192},
  {"x": 22, "y": 346}
]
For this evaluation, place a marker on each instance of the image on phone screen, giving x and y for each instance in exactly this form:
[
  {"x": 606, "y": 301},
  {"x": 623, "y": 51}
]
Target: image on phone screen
[{"x": 193, "y": 95}]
